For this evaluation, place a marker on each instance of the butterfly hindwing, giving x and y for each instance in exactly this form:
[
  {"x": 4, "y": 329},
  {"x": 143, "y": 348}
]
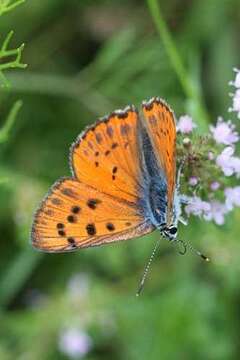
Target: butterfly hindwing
[
  {"x": 74, "y": 215},
  {"x": 161, "y": 128}
]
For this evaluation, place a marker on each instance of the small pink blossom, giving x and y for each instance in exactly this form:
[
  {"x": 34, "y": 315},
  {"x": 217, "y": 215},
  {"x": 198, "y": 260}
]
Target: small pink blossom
[
  {"x": 236, "y": 82},
  {"x": 223, "y": 132},
  {"x": 236, "y": 103},
  {"x": 78, "y": 286},
  {"x": 236, "y": 96},
  {"x": 193, "y": 180},
  {"x": 236, "y": 165},
  {"x": 74, "y": 343},
  {"x": 229, "y": 164},
  {"x": 213, "y": 210},
  {"x": 186, "y": 141},
  {"x": 232, "y": 197},
  {"x": 216, "y": 212},
  {"x": 185, "y": 124},
  {"x": 197, "y": 206},
  {"x": 211, "y": 155},
  {"x": 214, "y": 185},
  {"x": 224, "y": 161}
]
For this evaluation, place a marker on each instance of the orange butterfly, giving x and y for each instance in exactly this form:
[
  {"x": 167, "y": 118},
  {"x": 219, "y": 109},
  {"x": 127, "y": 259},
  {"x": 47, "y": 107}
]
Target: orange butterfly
[{"x": 123, "y": 186}]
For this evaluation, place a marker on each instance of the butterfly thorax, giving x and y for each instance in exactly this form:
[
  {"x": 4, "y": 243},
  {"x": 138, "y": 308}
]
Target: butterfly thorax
[
  {"x": 169, "y": 231},
  {"x": 159, "y": 207}
]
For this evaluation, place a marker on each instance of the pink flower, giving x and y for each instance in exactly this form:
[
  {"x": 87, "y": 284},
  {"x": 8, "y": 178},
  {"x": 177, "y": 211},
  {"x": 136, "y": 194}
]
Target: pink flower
[
  {"x": 193, "y": 180},
  {"x": 236, "y": 96},
  {"x": 223, "y": 132},
  {"x": 213, "y": 210},
  {"x": 74, "y": 343},
  {"x": 215, "y": 185},
  {"x": 186, "y": 142},
  {"x": 236, "y": 103},
  {"x": 229, "y": 164},
  {"x": 211, "y": 155},
  {"x": 78, "y": 286},
  {"x": 232, "y": 197},
  {"x": 197, "y": 206},
  {"x": 185, "y": 124},
  {"x": 235, "y": 161},
  {"x": 216, "y": 212},
  {"x": 236, "y": 82},
  {"x": 224, "y": 161}
]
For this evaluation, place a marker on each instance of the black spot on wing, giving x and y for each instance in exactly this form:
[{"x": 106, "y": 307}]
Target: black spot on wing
[
  {"x": 92, "y": 203},
  {"x": 114, "y": 145},
  {"x": 109, "y": 131},
  {"x": 71, "y": 219},
  {"x": 98, "y": 137},
  {"x": 72, "y": 242},
  {"x": 91, "y": 229},
  {"x": 76, "y": 209},
  {"x": 110, "y": 227}
]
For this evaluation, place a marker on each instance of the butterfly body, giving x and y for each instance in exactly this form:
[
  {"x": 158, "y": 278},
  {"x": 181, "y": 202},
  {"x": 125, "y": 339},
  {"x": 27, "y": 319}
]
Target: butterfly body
[
  {"x": 154, "y": 197},
  {"x": 123, "y": 185}
]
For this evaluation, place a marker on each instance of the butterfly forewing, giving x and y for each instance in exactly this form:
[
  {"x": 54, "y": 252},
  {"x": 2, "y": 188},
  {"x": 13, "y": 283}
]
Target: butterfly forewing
[
  {"x": 106, "y": 156},
  {"x": 161, "y": 128}
]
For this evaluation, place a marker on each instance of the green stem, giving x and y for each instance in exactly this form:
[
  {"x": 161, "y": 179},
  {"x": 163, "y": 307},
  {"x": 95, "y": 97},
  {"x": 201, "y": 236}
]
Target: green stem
[
  {"x": 5, "y": 130},
  {"x": 6, "y": 8},
  {"x": 170, "y": 47},
  {"x": 17, "y": 274},
  {"x": 189, "y": 89}
]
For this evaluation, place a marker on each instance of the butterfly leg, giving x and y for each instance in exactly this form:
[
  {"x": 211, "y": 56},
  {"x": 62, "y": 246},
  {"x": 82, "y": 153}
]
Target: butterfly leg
[
  {"x": 180, "y": 172},
  {"x": 183, "y": 221},
  {"x": 184, "y": 200},
  {"x": 181, "y": 199}
]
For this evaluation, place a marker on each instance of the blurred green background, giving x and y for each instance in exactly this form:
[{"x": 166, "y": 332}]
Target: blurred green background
[{"x": 85, "y": 59}]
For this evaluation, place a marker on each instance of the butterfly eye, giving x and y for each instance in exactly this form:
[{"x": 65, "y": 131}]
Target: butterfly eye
[{"x": 173, "y": 230}]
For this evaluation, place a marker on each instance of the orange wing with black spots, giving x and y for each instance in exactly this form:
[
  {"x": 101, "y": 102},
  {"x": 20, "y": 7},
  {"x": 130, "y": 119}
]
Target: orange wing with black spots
[
  {"x": 106, "y": 156},
  {"x": 161, "y": 128},
  {"x": 75, "y": 215}
]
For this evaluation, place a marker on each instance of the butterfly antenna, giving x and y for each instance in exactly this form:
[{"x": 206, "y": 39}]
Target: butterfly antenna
[
  {"x": 147, "y": 267},
  {"x": 189, "y": 246}
]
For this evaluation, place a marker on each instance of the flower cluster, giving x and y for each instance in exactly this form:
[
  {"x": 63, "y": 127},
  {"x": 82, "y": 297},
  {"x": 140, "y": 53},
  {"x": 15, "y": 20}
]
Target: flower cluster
[
  {"x": 212, "y": 166},
  {"x": 236, "y": 96}
]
